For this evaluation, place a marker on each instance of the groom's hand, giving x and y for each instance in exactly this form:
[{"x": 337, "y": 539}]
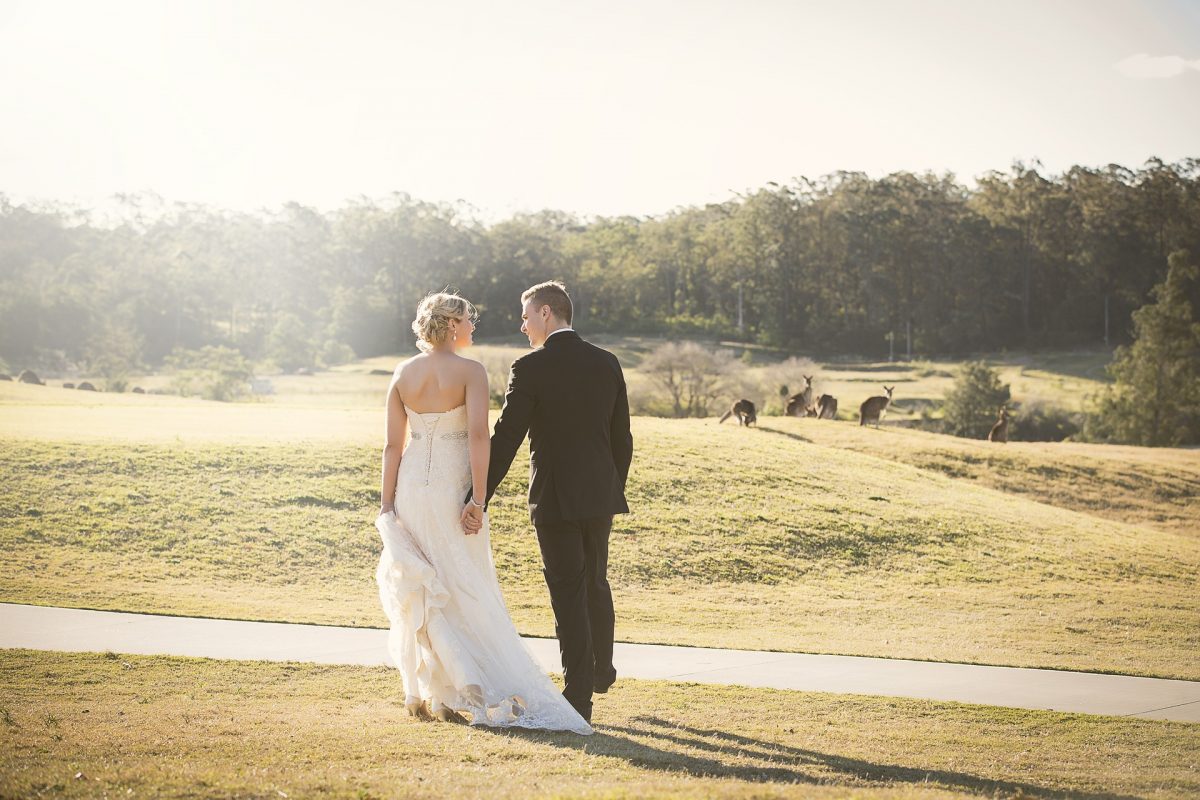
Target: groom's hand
[{"x": 472, "y": 519}]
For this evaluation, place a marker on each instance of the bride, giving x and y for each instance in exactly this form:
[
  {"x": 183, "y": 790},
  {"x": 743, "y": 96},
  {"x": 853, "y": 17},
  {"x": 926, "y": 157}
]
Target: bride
[{"x": 459, "y": 655}]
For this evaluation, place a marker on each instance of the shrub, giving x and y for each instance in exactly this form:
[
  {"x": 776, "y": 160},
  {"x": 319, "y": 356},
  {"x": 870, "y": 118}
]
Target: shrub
[
  {"x": 1040, "y": 422},
  {"x": 114, "y": 352},
  {"x": 693, "y": 377},
  {"x": 973, "y": 401},
  {"x": 215, "y": 373},
  {"x": 289, "y": 344},
  {"x": 334, "y": 352}
]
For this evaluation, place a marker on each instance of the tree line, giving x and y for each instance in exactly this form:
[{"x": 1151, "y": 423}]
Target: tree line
[{"x": 821, "y": 266}]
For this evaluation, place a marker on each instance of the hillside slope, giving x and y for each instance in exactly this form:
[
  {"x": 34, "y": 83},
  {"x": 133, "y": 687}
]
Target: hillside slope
[
  {"x": 739, "y": 537},
  {"x": 1155, "y": 486}
]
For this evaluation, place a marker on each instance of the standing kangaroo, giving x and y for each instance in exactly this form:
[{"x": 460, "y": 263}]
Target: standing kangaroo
[
  {"x": 999, "y": 432},
  {"x": 827, "y": 407},
  {"x": 744, "y": 410},
  {"x": 799, "y": 404},
  {"x": 873, "y": 408}
]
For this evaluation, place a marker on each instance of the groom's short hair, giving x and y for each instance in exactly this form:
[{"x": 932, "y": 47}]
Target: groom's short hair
[{"x": 553, "y": 294}]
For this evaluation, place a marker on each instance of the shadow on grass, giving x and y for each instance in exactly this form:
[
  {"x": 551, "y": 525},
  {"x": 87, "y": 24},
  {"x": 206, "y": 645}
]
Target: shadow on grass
[
  {"x": 788, "y": 434},
  {"x": 708, "y": 753}
]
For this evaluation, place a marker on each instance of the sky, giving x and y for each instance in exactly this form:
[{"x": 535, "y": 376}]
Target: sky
[{"x": 597, "y": 107}]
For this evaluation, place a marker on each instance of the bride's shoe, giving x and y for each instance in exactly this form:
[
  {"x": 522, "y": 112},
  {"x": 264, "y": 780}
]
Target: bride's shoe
[
  {"x": 447, "y": 714},
  {"x": 416, "y": 708}
]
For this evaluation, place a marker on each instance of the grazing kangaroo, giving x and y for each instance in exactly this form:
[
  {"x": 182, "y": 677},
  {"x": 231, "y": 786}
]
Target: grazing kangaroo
[
  {"x": 744, "y": 410},
  {"x": 799, "y": 404},
  {"x": 999, "y": 432},
  {"x": 827, "y": 407},
  {"x": 873, "y": 408}
]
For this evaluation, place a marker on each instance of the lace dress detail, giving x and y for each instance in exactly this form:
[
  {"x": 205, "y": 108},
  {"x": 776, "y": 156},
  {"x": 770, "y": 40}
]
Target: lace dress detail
[{"x": 451, "y": 635}]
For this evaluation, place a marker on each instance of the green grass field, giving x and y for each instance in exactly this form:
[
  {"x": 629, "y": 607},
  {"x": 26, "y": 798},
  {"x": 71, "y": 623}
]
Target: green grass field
[
  {"x": 1155, "y": 487},
  {"x": 802, "y": 535},
  {"x": 1063, "y": 379},
  {"x": 138, "y": 726}
]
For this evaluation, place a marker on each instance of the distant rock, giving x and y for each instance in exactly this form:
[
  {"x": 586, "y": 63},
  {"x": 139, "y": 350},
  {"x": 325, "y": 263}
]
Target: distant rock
[
  {"x": 86, "y": 386},
  {"x": 304, "y": 371},
  {"x": 68, "y": 386},
  {"x": 4, "y": 377},
  {"x": 29, "y": 376},
  {"x": 138, "y": 390},
  {"x": 381, "y": 372}
]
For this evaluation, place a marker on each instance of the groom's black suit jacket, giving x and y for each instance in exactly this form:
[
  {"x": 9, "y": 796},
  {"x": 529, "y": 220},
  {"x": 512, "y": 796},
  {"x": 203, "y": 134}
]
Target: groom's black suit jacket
[{"x": 570, "y": 397}]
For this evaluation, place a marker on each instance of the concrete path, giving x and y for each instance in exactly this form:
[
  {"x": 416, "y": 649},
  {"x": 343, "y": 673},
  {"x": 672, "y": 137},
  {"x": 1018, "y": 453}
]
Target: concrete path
[{"x": 47, "y": 628}]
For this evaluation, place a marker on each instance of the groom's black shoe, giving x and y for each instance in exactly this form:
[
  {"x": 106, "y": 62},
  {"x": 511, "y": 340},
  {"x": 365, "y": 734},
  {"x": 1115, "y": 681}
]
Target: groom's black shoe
[
  {"x": 600, "y": 687},
  {"x": 585, "y": 712}
]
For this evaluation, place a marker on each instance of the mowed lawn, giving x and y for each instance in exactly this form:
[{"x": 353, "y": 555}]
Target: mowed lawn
[
  {"x": 1158, "y": 487},
  {"x": 138, "y": 726},
  {"x": 800, "y": 535}
]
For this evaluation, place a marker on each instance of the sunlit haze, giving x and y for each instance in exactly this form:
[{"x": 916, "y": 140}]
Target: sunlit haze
[{"x": 592, "y": 107}]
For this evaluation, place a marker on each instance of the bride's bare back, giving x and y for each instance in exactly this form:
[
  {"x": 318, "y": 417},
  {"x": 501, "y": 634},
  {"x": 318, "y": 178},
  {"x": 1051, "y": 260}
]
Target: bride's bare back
[{"x": 434, "y": 382}]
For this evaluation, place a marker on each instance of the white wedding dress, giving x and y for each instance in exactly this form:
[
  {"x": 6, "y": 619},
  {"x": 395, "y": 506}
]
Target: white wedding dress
[{"x": 451, "y": 635}]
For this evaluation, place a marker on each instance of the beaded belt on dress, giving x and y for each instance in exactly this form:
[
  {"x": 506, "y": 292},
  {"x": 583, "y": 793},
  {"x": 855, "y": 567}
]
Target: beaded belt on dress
[{"x": 451, "y": 435}]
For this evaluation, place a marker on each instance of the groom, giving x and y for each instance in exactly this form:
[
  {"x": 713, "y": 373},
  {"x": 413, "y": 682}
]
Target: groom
[{"x": 570, "y": 397}]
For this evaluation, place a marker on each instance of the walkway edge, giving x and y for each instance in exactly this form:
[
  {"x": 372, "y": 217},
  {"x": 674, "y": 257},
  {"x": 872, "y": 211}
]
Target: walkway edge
[{"x": 76, "y": 630}]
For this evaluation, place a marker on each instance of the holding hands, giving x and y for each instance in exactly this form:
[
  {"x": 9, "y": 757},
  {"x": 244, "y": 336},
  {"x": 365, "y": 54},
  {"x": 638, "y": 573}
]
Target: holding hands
[{"x": 472, "y": 518}]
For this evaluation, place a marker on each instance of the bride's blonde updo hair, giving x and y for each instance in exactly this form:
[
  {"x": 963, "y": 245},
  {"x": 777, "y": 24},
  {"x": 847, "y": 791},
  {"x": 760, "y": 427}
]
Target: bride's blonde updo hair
[{"x": 432, "y": 325}]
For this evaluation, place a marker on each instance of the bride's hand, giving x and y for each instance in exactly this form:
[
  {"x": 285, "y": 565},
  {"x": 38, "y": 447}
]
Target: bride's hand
[{"x": 472, "y": 519}]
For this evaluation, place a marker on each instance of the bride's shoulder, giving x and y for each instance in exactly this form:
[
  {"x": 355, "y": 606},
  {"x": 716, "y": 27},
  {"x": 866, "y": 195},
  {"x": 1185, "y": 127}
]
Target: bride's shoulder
[
  {"x": 470, "y": 366},
  {"x": 405, "y": 367},
  {"x": 408, "y": 362}
]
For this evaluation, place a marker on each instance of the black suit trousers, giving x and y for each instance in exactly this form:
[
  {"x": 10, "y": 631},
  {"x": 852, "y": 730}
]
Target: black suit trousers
[{"x": 575, "y": 555}]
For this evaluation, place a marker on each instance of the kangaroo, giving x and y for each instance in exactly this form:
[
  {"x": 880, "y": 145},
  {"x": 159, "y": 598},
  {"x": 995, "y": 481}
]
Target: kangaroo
[
  {"x": 827, "y": 407},
  {"x": 873, "y": 408},
  {"x": 745, "y": 413},
  {"x": 798, "y": 404},
  {"x": 999, "y": 432}
]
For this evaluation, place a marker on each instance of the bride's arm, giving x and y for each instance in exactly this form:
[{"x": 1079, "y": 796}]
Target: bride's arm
[
  {"x": 395, "y": 427},
  {"x": 479, "y": 443}
]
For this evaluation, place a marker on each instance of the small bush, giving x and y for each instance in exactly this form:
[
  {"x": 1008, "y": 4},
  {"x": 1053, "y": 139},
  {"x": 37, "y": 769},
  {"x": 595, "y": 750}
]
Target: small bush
[
  {"x": 334, "y": 352},
  {"x": 215, "y": 373},
  {"x": 1040, "y": 422},
  {"x": 289, "y": 344},
  {"x": 972, "y": 404},
  {"x": 693, "y": 378}
]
